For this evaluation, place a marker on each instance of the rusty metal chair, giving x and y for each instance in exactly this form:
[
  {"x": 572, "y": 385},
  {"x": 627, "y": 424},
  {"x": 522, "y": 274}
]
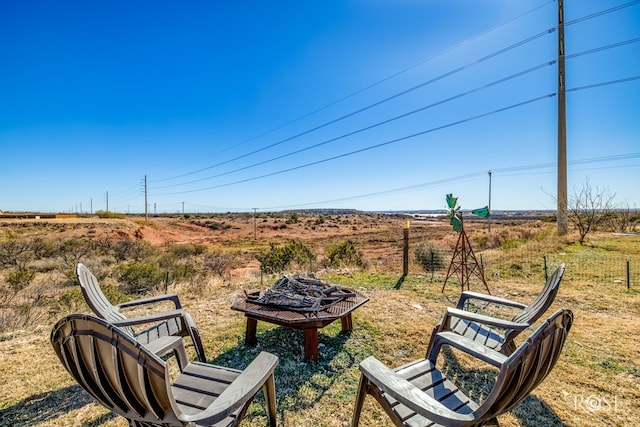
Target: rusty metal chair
[
  {"x": 498, "y": 334},
  {"x": 128, "y": 379},
  {"x": 418, "y": 394},
  {"x": 164, "y": 325}
]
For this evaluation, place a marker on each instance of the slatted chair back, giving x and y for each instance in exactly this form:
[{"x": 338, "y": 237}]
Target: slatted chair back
[
  {"x": 544, "y": 299},
  {"x": 117, "y": 371},
  {"x": 419, "y": 394},
  {"x": 130, "y": 380},
  {"x": 528, "y": 366},
  {"x": 96, "y": 299},
  {"x": 166, "y": 324}
]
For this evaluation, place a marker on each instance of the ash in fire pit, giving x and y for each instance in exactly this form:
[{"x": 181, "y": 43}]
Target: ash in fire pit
[{"x": 303, "y": 294}]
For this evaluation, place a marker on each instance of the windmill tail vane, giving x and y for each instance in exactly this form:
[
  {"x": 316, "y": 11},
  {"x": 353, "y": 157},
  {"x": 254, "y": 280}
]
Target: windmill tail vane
[{"x": 455, "y": 216}]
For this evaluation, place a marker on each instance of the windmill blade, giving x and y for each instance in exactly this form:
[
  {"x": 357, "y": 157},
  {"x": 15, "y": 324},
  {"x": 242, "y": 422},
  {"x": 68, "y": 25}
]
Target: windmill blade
[{"x": 482, "y": 212}]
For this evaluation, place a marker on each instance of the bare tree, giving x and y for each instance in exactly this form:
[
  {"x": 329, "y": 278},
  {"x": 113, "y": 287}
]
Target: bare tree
[
  {"x": 589, "y": 208},
  {"x": 622, "y": 218}
]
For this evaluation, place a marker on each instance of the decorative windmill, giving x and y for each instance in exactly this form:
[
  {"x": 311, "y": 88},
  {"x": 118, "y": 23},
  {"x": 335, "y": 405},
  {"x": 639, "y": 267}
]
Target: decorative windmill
[{"x": 464, "y": 263}]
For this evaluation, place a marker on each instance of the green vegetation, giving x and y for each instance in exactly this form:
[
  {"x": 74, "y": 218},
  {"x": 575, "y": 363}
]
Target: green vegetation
[
  {"x": 37, "y": 287},
  {"x": 344, "y": 254},
  {"x": 278, "y": 258}
]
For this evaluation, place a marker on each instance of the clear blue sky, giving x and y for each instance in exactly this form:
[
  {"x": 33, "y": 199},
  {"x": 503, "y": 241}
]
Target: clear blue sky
[{"x": 364, "y": 104}]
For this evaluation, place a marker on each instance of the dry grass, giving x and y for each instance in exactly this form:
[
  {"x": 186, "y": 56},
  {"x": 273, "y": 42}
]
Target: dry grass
[{"x": 596, "y": 382}]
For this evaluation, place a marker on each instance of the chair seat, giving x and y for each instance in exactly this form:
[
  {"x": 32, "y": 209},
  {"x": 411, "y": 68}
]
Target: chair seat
[
  {"x": 424, "y": 375},
  {"x": 200, "y": 384},
  {"x": 477, "y": 332},
  {"x": 168, "y": 328}
]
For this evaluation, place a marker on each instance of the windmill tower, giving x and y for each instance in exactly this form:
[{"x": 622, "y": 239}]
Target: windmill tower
[{"x": 464, "y": 263}]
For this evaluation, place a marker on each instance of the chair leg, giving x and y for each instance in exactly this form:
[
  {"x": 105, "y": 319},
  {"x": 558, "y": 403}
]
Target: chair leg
[
  {"x": 357, "y": 407},
  {"x": 269, "y": 390},
  {"x": 436, "y": 329}
]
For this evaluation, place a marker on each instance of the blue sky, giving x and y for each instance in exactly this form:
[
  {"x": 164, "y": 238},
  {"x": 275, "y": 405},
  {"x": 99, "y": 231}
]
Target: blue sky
[{"x": 364, "y": 104}]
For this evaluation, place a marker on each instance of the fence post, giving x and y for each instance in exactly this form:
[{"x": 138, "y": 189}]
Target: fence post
[
  {"x": 166, "y": 281},
  {"x": 405, "y": 251},
  {"x": 628, "y": 276},
  {"x": 546, "y": 273}
]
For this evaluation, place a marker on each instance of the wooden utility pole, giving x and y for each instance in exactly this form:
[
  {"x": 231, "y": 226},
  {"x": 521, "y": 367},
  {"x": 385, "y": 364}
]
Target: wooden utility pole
[
  {"x": 562, "y": 129},
  {"x": 255, "y": 236},
  {"x": 405, "y": 250},
  {"x": 489, "y": 206},
  {"x": 146, "y": 210}
]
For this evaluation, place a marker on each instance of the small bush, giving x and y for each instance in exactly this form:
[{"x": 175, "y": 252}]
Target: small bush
[
  {"x": 218, "y": 263},
  {"x": 278, "y": 258},
  {"x": 106, "y": 214},
  {"x": 429, "y": 257},
  {"x": 343, "y": 254},
  {"x": 20, "y": 278},
  {"x": 187, "y": 250},
  {"x": 139, "y": 277}
]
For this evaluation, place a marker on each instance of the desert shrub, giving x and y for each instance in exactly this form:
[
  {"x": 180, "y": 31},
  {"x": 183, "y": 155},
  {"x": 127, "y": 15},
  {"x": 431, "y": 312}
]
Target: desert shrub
[
  {"x": 278, "y": 258},
  {"x": 218, "y": 263},
  {"x": 107, "y": 214},
  {"x": 429, "y": 257},
  {"x": 343, "y": 254},
  {"x": 186, "y": 250},
  {"x": 301, "y": 254},
  {"x": 273, "y": 260},
  {"x": 42, "y": 248},
  {"x": 139, "y": 277},
  {"x": 20, "y": 278},
  {"x": 131, "y": 249},
  {"x": 293, "y": 218},
  {"x": 14, "y": 252}
]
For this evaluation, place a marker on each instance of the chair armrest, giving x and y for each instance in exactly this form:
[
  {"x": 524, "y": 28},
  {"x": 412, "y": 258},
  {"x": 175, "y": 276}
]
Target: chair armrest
[
  {"x": 239, "y": 392},
  {"x": 163, "y": 345},
  {"x": 467, "y": 295},
  {"x": 480, "y": 318},
  {"x": 466, "y": 345},
  {"x": 151, "y": 300},
  {"x": 150, "y": 318},
  {"x": 408, "y": 394}
]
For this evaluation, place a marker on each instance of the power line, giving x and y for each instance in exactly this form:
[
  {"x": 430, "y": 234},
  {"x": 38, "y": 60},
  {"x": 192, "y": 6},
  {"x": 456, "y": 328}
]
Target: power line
[
  {"x": 389, "y": 98},
  {"x": 416, "y": 87},
  {"x": 602, "y": 12},
  {"x": 357, "y": 92},
  {"x": 407, "y": 137},
  {"x": 371, "y": 147},
  {"x": 404, "y": 115},
  {"x": 372, "y": 126}
]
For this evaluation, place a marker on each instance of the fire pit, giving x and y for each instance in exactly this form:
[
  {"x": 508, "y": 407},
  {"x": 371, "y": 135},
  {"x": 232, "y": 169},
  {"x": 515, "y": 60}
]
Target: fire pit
[{"x": 299, "y": 302}]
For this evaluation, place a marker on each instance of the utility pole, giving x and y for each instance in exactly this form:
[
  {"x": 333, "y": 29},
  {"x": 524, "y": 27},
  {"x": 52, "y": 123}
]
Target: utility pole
[
  {"x": 146, "y": 210},
  {"x": 489, "y": 206},
  {"x": 255, "y": 237},
  {"x": 91, "y": 206},
  {"x": 562, "y": 129},
  {"x": 107, "y": 196},
  {"x": 182, "y": 209}
]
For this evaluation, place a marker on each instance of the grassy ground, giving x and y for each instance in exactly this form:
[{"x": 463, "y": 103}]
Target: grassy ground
[{"x": 596, "y": 382}]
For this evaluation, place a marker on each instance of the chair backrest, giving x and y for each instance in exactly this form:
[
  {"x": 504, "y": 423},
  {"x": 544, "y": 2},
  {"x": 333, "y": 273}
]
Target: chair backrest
[
  {"x": 118, "y": 372},
  {"x": 528, "y": 365},
  {"x": 544, "y": 299},
  {"x": 96, "y": 299}
]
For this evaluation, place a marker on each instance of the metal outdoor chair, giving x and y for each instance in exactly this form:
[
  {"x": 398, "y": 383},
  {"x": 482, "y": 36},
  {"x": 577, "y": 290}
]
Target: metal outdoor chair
[
  {"x": 418, "y": 394},
  {"x": 498, "y": 334},
  {"x": 164, "y": 325},
  {"x": 128, "y": 379}
]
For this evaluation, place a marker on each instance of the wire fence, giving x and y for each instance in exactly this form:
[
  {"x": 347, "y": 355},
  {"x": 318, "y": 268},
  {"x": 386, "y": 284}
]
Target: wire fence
[
  {"x": 588, "y": 265},
  {"x": 615, "y": 270}
]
